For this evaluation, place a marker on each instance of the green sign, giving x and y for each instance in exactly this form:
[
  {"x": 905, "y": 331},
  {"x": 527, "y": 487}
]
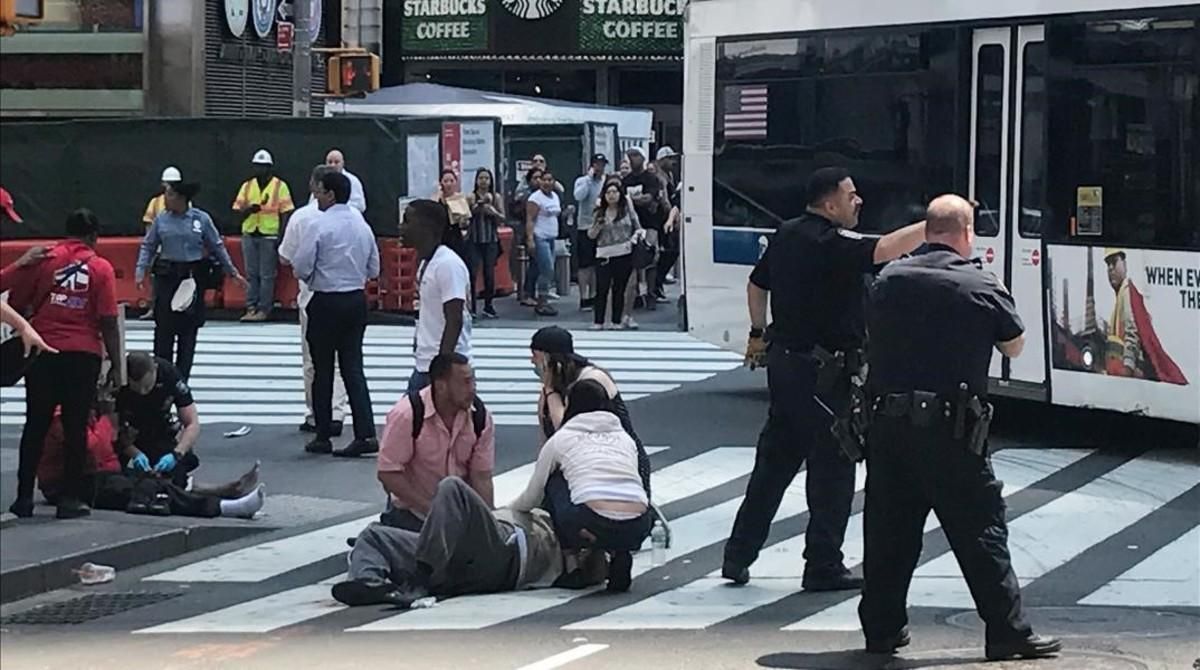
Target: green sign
[
  {"x": 445, "y": 25},
  {"x": 631, "y": 26}
]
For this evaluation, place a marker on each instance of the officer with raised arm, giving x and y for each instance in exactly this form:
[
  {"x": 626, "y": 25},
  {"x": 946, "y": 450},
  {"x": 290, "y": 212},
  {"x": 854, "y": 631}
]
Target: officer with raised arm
[
  {"x": 813, "y": 273},
  {"x": 934, "y": 319}
]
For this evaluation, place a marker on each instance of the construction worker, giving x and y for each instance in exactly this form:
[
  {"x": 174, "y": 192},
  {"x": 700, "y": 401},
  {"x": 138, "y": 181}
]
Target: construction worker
[
  {"x": 263, "y": 205},
  {"x": 170, "y": 175}
]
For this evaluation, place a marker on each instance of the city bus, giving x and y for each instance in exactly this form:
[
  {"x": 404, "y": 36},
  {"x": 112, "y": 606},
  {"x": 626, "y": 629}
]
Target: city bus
[{"x": 1074, "y": 124}]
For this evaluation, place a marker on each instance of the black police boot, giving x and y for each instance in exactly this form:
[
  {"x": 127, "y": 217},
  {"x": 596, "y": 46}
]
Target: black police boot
[
  {"x": 1034, "y": 646},
  {"x": 620, "y": 572},
  {"x": 319, "y": 445},
  {"x": 738, "y": 574},
  {"x": 830, "y": 578},
  {"x": 889, "y": 645},
  {"x": 22, "y": 507},
  {"x": 359, "y": 448}
]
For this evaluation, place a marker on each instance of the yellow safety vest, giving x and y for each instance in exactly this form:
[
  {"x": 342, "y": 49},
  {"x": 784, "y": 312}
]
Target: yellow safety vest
[
  {"x": 153, "y": 208},
  {"x": 275, "y": 200}
]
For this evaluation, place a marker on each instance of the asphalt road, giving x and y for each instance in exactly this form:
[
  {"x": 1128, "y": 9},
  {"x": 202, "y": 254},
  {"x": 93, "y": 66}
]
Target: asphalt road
[{"x": 1105, "y": 528}]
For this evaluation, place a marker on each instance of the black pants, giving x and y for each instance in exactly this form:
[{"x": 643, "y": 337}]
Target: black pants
[
  {"x": 483, "y": 256},
  {"x": 911, "y": 471},
  {"x": 156, "y": 449},
  {"x": 66, "y": 380},
  {"x": 175, "y": 332},
  {"x": 115, "y": 490},
  {"x": 336, "y": 324},
  {"x": 797, "y": 430},
  {"x": 569, "y": 519},
  {"x": 612, "y": 274},
  {"x": 668, "y": 253}
]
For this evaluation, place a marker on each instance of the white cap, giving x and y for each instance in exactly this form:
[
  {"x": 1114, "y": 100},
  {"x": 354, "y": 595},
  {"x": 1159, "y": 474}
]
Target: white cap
[
  {"x": 665, "y": 152},
  {"x": 262, "y": 157},
  {"x": 172, "y": 175},
  {"x": 636, "y": 150}
]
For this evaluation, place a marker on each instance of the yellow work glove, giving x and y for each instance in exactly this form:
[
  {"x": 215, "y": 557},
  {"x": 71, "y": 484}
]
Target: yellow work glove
[{"x": 756, "y": 352}]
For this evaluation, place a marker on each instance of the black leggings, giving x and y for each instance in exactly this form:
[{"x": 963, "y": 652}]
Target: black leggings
[
  {"x": 483, "y": 255},
  {"x": 67, "y": 380},
  {"x": 611, "y": 274}
]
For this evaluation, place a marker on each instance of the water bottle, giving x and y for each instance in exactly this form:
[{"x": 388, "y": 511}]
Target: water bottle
[
  {"x": 93, "y": 573},
  {"x": 658, "y": 544}
]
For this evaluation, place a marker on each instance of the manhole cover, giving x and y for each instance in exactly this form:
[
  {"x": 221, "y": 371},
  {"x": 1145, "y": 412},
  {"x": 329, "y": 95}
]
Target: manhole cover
[
  {"x": 1096, "y": 622},
  {"x": 86, "y": 608}
]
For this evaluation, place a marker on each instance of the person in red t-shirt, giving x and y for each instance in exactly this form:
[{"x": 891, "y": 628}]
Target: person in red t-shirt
[{"x": 71, "y": 297}]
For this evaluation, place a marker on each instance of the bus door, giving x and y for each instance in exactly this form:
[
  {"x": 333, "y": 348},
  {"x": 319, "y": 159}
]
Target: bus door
[{"x": 1007, "y": 180}]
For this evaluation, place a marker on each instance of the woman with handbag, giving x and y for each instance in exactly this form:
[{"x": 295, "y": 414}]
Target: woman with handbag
[
  {"x": 183, "y": 236},
  {"x": 483, "y": 235},
  {"x": 615, "y": 232}
]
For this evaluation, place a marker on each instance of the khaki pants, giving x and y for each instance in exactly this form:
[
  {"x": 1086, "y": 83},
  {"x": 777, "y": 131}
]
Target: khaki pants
[{"x": 340, "y": 399}]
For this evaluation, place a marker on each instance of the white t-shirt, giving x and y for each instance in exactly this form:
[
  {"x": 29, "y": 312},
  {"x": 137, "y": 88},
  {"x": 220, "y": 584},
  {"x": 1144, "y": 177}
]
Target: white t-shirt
[
  {"x": 297, "y": 222},
  {"x": 545, "y": 226},
  {"x": 443, "y": 278}
]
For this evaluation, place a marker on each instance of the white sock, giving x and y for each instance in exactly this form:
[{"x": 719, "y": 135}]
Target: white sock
[{"x": 246, "y": 506}]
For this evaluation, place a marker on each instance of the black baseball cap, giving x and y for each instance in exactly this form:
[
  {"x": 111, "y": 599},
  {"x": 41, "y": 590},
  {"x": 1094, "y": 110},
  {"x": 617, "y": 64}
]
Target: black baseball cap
[
  {"x": 553, "y": 340},
  {"x": 599, "y": 158}
]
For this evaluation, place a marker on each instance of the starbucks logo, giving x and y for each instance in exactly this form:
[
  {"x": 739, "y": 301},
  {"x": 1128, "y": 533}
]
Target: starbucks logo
[{"x": 532, "y": 9}]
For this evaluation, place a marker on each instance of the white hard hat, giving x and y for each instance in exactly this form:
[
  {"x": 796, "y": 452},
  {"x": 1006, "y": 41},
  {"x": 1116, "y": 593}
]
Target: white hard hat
[
  {"x": 172, "y": 175},
  {"x": 665, "y": 152},
  {"x": 262, "y": 157}
]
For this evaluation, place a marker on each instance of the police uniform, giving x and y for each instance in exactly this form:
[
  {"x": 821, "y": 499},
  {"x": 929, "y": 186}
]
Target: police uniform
[
  {"x": 814, "y": 270},
  {"x": 934, "y": 319},
  {"x": 151, "y": 416}
]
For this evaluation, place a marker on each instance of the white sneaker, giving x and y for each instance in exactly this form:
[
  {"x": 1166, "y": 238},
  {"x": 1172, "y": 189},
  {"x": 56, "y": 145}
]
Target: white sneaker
[
  {"x": 553, "y": 295},
  {"x": 630, "y": 324}
]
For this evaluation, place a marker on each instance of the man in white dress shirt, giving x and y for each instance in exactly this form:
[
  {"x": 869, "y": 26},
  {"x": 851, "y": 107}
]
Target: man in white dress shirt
[
  {"x": 337, "y": 161},
  {"x": 337, "y": 256},
  {"x": 299, "y": 220}
]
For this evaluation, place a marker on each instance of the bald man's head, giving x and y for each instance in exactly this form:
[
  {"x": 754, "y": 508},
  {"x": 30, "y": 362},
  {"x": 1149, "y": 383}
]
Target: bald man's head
[
  {"x": 950, "y": 220},
  {"x": 335, "y": 160}
]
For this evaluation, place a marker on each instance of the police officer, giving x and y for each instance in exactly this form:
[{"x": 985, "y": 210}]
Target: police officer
[
  {"x": 814, "y": 272},
  {"x": 934, "y": 319}
]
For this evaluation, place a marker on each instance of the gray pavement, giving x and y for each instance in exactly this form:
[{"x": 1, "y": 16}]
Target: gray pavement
[{"x": 1104, "y": 513}]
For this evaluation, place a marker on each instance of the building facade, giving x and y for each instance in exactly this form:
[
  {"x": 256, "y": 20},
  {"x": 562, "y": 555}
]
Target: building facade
[{"x": 609, "y": 52}]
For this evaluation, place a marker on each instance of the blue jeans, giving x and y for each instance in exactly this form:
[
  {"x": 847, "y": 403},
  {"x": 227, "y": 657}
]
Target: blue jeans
[
  {"x": 418, "y": 380},
  {"x": 569, "y": 519},
  {"x": 260, "y": 254},
  {"x": 540, "y": 274}
]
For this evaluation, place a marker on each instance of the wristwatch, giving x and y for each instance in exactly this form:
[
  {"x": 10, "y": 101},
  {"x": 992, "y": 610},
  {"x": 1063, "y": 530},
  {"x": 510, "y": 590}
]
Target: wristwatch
[{"x": 756, "y": 332}]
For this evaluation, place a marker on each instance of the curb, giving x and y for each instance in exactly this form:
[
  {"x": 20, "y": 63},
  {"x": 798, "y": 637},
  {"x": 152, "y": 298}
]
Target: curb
[{"x": 56, "y": 573}]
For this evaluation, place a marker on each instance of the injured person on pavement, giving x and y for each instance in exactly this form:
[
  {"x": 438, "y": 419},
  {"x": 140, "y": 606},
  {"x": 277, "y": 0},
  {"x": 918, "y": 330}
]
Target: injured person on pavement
[
  {"x": 462, "y": 548},
  {"x": 106, "y": 486}
]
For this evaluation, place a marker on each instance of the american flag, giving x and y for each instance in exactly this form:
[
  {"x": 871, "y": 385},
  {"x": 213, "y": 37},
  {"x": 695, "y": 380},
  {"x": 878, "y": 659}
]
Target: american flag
[{"x": 746, "y": 112}]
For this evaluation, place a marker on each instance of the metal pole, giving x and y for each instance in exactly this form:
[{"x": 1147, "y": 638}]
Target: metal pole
[{"x": 302, "y": 57}]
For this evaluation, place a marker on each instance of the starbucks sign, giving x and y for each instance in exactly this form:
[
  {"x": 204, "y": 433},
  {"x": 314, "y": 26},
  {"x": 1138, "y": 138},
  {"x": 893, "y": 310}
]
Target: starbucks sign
[
  {"x": 445, "y": 25},
  {"x": 532, "y": 9},
  {"x": 631, "y": 26}
]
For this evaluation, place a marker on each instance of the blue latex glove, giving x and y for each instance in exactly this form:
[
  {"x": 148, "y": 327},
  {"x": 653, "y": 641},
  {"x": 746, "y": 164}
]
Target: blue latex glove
[
  {"x": 140, "y": 463},
  {"x": 165, "y": 464}
]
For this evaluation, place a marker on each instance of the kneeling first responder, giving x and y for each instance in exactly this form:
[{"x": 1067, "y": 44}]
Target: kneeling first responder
[
  {"x": 934, "y": 319},
  {"x": 814, "y": 271}
]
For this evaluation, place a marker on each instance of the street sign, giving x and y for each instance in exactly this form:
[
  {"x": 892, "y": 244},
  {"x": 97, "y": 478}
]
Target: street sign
[{"x": 285, "y": 35}]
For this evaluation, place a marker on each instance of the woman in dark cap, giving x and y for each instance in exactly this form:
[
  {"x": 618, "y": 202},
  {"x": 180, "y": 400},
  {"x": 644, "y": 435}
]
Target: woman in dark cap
[{"x": 558, "y": 366}]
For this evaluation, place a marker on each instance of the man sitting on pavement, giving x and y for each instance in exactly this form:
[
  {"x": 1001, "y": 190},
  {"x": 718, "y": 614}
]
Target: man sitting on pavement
[
  {"x": 107, "y": 487},
  {"x": 463, "y": 548},
  {"x": 451, "y": 435}
]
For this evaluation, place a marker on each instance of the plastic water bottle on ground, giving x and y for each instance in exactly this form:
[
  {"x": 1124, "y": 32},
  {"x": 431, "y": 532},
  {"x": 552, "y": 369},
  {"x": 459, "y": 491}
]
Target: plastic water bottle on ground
[
  {"x": 94, "y": 573},
  {"x": 658, "y": 544}
]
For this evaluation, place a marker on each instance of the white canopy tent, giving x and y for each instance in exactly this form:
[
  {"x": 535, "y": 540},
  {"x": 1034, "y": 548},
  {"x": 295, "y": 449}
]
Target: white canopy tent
[{"x": 435, "y": 100}]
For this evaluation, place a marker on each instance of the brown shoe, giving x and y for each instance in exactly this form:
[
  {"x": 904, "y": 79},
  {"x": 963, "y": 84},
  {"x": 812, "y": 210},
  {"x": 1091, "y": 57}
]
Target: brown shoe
[
  {"x": 258, "y": 316},
  {"x": 249, "y": 315}
]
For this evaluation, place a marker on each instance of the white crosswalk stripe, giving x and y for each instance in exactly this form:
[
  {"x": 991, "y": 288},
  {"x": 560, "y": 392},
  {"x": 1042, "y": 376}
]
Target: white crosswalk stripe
[
  {"x": 1048, "y": 534},
  {"x": 262, "y": 364}
]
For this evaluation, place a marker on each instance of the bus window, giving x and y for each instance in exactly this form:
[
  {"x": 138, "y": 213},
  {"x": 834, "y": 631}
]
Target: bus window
[
  {"x": 989, "y": 138},
  {"x": 877, "y": 103},
  {"x": 1033, "y": 141},
  {"x": 1123, "y": 116}
]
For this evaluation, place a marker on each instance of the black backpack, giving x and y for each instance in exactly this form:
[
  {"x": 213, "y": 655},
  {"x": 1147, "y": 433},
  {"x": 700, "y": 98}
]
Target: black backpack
[{"x": 478, "y": 414}]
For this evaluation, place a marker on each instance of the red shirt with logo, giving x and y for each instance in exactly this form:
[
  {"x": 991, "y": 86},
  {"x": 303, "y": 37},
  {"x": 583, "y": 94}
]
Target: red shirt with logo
[{"x": 68, "y": 293}]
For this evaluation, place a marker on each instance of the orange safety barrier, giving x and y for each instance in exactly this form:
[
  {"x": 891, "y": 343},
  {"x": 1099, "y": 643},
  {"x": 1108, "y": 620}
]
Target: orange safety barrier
[
  {"x": 233, "y": 296},
  {"x": 504, "y": 279},
  {"x": 287, "y": 287},
  {"x": 397, "y": 276},
  {"x": 121, "y": 252}
]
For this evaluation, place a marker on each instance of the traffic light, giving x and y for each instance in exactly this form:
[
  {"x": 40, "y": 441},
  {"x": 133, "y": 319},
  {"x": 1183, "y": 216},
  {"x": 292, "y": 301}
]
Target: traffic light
[
  {"x": 15, "y": 13},
  {"x": 351, "y": 74}
]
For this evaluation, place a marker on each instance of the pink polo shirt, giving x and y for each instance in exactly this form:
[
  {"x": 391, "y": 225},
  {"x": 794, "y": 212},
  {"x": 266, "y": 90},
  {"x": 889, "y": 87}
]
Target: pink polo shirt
[{"x": 438, "y": 452}]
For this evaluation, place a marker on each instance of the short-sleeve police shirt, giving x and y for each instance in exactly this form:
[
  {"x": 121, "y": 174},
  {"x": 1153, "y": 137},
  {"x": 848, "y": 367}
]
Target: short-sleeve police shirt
[
  {"x": 815, "y": 271},
  {"x": 934, "y": 319},
  {"x": 150, "y": 414}
]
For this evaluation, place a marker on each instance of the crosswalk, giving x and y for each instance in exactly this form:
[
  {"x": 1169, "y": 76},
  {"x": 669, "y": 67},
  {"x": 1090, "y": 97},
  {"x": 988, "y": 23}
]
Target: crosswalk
[
  {"x": 1072, "y": 512},
  {"x": 252, "y": 374}
]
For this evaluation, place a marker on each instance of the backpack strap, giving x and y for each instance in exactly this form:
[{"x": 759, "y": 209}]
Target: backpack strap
[
  {"x": 478, "y": 416},
  {"x": 418, "y": 409}
]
